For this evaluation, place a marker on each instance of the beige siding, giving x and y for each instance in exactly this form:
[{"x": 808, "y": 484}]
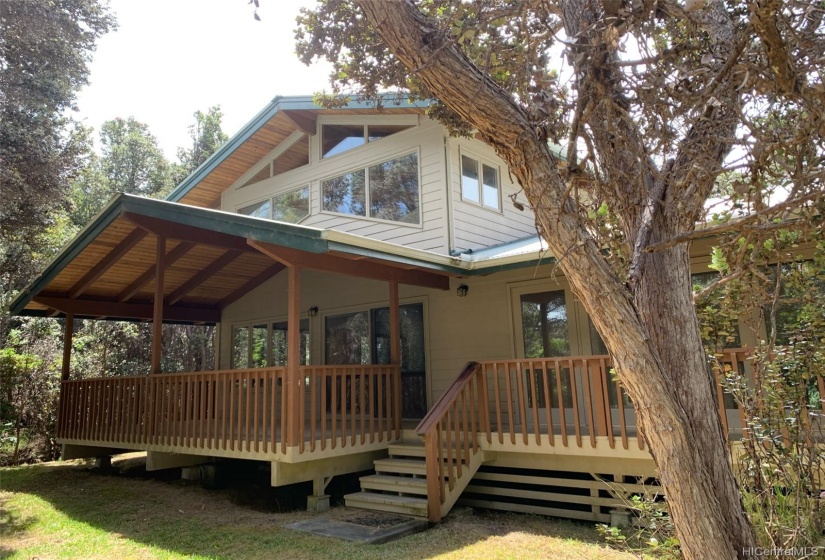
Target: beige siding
[
  {"x": 476, "y": 327},
  {"x": 476, "y": 227},
  {"x": 427, "y": 139}
]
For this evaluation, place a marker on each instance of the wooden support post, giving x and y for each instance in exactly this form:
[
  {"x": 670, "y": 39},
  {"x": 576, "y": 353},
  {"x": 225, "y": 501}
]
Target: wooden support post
[
  {"x": 68, "y": 332},
  {"x": 157, "y": 316},
  {"x": 295, "y": 426},
  {"x": 395, "y": 352}
]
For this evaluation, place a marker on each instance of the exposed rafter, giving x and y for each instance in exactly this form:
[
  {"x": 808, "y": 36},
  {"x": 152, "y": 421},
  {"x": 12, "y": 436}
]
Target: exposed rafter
[
  {"x": 202, "y": 276},
  {"x": 106, "y": 263},
  {"x": 180, "y": 250}
]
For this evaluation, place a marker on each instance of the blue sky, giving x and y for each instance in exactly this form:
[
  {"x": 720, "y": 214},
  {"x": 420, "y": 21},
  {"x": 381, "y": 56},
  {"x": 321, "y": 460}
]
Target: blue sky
[{"x": 168, "y": 59}]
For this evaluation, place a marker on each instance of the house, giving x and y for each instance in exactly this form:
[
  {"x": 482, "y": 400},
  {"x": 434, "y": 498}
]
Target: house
[{"x": 382, "y": 302}]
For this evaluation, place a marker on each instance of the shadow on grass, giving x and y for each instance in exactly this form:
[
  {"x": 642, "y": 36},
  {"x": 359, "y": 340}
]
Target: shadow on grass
[{"x": 244, "y": 519}]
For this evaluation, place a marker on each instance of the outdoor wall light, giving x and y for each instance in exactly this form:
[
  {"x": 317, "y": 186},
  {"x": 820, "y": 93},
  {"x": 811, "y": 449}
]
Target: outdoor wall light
[
  {"x": 462, "y": 290},
  {"x": 312, "y": 311}
]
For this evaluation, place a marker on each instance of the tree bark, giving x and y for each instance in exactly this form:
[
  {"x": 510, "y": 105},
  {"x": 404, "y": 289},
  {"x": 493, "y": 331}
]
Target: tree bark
[{"x": 650, "y": 329}]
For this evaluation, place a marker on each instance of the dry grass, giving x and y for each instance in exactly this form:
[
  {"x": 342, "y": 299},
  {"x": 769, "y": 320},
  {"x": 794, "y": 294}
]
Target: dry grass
[{"x": 66, "y": 510}]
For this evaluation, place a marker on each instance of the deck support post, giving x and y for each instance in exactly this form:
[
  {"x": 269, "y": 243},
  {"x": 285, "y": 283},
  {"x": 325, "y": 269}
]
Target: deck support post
[
  {"x": 319, "y": 500},
  {"x": 157, "y": 315},
  {"x": 294, "y": 395},
  {"x": 395, "y": 352}
]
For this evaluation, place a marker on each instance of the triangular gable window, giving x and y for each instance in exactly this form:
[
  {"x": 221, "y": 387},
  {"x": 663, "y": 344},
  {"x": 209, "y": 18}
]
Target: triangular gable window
[{"x": 297, "y": 155}]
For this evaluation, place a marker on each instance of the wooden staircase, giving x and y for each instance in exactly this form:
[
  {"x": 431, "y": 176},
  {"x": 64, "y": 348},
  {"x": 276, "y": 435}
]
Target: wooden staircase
[{"x": 399, "y": 484}]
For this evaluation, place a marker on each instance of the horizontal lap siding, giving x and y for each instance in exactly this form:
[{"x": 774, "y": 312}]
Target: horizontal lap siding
[
  {"x": 431, "y": 234},
  {"x": 475, "y": 227}
]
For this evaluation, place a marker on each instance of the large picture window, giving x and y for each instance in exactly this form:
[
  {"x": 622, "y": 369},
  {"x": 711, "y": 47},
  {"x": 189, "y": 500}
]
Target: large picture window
[{"x": 388, "y": 191}]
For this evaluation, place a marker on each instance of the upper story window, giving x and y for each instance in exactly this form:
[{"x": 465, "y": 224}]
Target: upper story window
[
  {"x": 479, "y": 183},
  {"x": 295, "y": 156},
  {"x": 388, "y": 191},
  {"x": 339, "y": 138},
  {"x": 291, "y": 206}
]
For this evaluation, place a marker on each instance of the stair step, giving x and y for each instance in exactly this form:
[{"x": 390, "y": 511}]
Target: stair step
[
  {"x": 407, "y": 450},
  {"x": 401, "y": 466},
  {"x": 387, "y": 483},
  {"x": 386, "y": 502}
]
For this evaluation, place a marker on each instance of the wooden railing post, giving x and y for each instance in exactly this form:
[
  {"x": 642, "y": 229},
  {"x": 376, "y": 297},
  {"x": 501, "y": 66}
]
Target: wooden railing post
[
  {"x": 293, "y": 392},
  {"x": 395, "y": 352},
  {"x": 434, "y": 497},
  {"x": 157, "y": 315}
]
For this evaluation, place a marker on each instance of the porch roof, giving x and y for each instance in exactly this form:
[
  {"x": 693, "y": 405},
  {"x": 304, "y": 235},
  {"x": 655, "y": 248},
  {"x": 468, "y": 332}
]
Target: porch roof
[{"x": 212, "y": 259}]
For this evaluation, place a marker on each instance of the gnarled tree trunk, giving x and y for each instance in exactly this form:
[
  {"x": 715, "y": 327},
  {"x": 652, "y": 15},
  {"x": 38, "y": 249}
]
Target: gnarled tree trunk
[{"x": 647, "y": 320}]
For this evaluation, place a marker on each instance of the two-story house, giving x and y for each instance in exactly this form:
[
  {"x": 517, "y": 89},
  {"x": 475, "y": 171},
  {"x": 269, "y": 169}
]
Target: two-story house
[{"x": 383, "y": 302}]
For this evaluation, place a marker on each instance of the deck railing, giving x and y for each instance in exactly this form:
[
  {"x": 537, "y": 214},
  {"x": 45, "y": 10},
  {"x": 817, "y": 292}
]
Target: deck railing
[
  {"x": 575, "y": 400},
  {"x": 233, "y": 411},
  {"x": 345, "y": 406},
  {"x": 450, "y": 434}
]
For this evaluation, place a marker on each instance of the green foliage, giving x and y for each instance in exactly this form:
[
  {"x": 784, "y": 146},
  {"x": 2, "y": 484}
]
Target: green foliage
[
  {"x": 782, "y": 306},
  {"x": 29, "y": 377},
  {"x": 44, "y": 51},
  {"x": 652, "y": 531},
  {"x": 207, "y": 136}
]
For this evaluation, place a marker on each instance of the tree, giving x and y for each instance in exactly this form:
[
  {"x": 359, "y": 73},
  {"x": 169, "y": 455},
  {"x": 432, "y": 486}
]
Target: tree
[
  {"x": 207, "y": 136},
  {"x": 131, "y": 160},
  {"x": 652, "y": 101},
  {"x": 44, "y": 52}
]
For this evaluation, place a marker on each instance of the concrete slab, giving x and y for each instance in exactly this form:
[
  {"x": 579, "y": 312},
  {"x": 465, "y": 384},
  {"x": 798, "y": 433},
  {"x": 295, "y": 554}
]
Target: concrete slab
[{"x": 362, "y": 526}]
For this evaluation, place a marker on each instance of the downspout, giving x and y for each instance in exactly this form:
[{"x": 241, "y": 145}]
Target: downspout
[{"x": 449, "y": 193}]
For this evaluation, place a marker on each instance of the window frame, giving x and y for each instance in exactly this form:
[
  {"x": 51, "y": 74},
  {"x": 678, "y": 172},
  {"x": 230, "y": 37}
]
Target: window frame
[
  {"x": 481, "y": 161},
  {"x": 268, "y": 322},
  {"x": 271, "y": 199},
  {"x": 364, "y": 124},
  {"x": 365, "y": 167}
]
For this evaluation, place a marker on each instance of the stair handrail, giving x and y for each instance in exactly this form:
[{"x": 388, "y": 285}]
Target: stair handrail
[{"x": 440, "y": 462}]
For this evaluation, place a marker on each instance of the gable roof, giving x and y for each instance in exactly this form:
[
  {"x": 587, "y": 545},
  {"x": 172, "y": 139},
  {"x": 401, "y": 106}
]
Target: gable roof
[{"x": 280, "y": 118}]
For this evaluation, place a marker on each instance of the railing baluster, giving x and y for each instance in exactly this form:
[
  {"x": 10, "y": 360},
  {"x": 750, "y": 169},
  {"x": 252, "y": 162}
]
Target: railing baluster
[
  {"x": 620, "y": 407},
  {"x": 548, "y": 403},
  {"x": 607, "y": 415},
  {"x": 571, "y": 371},
  {"x": 534, "y": 394},
  {"x": 590, "y": 417}
]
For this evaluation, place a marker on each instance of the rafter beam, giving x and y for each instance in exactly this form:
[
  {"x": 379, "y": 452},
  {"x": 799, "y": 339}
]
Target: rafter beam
[
  {"x": 100, "y": 308},
  {"x": 107, "y": 262},
  {"x": 183, "y": 232},
  {"x": 327, "y": 262},
  {"x": 251, "y": 284},
  {"x": 216, "y": 266},
  {"x": 146, "y": 277}
]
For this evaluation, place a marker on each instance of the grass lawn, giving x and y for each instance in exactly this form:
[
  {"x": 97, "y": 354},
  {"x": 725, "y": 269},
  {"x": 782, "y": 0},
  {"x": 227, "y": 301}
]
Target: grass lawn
[{"x": 67, "y": 510}]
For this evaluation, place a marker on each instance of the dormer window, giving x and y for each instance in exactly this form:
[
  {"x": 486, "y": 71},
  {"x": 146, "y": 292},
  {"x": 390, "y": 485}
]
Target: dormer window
[{"x": 339, "y": 138}]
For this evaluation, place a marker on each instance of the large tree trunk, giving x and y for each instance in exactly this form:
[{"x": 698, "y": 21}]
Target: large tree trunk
[{"x": 649, "y": 325}]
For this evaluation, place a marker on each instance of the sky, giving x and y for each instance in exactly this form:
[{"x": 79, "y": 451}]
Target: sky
[{"x": 170, "y": 58}]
